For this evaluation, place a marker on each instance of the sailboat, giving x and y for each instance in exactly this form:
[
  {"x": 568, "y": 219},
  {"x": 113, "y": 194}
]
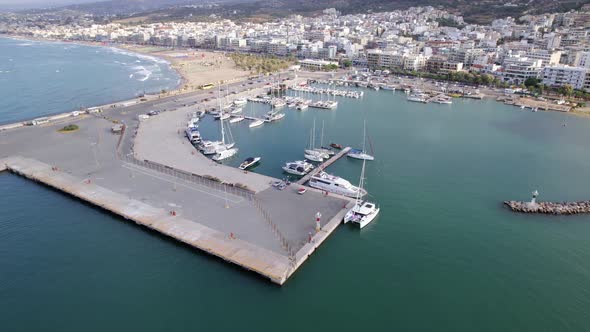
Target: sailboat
[
  {"x": 361, "y": 154},
  {"x": 363, "y": 212},
  {"x": 225, "y": 150},
  {"x": 312, "y": 153},
  {"x": 256, "y": 122},
  {"x": 323, "y": 149}
]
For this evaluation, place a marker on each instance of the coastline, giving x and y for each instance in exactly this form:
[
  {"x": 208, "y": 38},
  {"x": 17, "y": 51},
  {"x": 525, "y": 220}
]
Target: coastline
[
  {"x": 188, "y": 82},
  {"x": 113, "y": 103}
]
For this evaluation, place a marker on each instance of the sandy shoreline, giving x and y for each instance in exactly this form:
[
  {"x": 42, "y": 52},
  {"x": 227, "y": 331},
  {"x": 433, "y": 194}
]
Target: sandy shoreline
[{"x": 190, "y": 80}]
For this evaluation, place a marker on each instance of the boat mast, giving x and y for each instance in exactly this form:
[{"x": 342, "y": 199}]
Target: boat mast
[
  {"x": 361, "y": 184},
  {"x": 322, "y": 137},
  {"x": 364, "y": 134},
  {"x": 221, "y": 118}
]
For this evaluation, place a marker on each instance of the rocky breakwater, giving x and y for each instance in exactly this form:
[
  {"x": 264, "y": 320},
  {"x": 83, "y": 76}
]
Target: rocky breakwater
[{"x": 565, "y": 208}]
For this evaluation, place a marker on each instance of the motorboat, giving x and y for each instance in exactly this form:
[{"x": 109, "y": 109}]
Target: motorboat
[
  {"x": 249, "y": 162},
  {"x": 298, "y": 167},
  {"x": 363, "y": 212},
  {"x": 336, "y": 185},
  {"x": 359, "y": 154},
  {"x": 302, "y": 107},
  {"x": 256, "y": 123},
  {"x": 224, "y": 116},
  {"x": 240, "y": 101},
  {"x": 237, "y": 119},
  {"x": 336, "y": 146},
  {"x": 236, "y": 110}
]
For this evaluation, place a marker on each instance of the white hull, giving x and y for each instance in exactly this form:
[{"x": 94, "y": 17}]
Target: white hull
[
  {"x": 317, "y": 153},
  {"x": 335, "y": 190},
  {"x": 336, "y": 185},
  {"x": 225, "y": 154},
  {"x": 237, "y": 119},
  {"x": 249, "y": 163},
  {"x": 256, "y": 123},
  {"x": 361, "y": 220},
  {"x": 313, "y": 158},
  {"x": 361, "y": 156}
]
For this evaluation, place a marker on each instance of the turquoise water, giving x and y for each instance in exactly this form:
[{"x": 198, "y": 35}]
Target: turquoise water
[
  {"x": 42, "y": 78},
  {"x": 443, "y": 255}
]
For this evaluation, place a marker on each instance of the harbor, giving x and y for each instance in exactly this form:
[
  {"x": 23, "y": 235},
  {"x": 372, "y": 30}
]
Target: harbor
[
  {"x": 439, "y": 174},
  {"x": 234, "y": 215}
]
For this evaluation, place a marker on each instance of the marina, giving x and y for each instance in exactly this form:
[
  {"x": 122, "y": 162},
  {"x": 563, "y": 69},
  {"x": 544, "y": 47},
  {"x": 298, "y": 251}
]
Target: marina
[{"x": 425, "y": 220}]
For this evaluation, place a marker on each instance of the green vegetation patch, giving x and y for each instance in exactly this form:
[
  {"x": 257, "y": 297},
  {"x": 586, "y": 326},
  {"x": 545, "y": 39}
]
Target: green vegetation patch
[
  {"x": 69, "y": 129},
  {"x": 261, "y": 64}
]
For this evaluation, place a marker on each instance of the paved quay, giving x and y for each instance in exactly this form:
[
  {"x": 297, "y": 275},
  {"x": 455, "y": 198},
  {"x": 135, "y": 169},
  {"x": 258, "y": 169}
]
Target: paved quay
[
  {"x": 265, "y": 262},
  {"x": 267, "y": 232}
]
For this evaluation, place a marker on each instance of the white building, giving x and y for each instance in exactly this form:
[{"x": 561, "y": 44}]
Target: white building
[{"x": 562, "y": 75}]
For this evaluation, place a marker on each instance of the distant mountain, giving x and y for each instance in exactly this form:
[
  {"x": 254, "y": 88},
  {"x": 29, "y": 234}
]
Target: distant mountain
[{"x": 473, "y": 11}]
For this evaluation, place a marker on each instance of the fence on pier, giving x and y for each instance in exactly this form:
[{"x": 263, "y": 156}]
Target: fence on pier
[
  {"x": 204, "y": 180},
  {"x": 216, "y": 184}
]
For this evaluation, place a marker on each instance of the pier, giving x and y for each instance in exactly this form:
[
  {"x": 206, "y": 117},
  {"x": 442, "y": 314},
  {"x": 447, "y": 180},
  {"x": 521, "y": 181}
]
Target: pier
[
  {"x": 324, "y": 165},
  {"x": 150, "y": 175},
  {"x": 563, "y": 208}
]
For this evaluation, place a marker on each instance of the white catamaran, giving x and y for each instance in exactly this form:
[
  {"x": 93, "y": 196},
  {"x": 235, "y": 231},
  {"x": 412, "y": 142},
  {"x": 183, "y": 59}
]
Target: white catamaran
[{"x": 363, "y": 212}]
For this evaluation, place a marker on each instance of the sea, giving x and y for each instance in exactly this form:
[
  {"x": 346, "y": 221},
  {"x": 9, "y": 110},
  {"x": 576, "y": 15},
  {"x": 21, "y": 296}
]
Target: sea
[
  {"x": 42, "y": 78},
  {"x": 443, "y": 255}
]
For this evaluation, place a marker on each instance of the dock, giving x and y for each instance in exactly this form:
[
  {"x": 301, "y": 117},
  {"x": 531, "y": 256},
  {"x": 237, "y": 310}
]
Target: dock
[
  {"x": 265, "y": 262},
  {"x": 324, "y": 165},
  {"x": 220, "y": 210}
]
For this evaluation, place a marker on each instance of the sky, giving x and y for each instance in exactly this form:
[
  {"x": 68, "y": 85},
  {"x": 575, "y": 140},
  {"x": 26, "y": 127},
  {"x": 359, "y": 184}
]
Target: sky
[{"x": 21, "y": 4}]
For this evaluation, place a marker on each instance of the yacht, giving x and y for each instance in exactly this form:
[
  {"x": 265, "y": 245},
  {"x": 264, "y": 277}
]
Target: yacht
[
  {"x": 236, "y": 110},
  {"x": 362, "y": 213},
  {"x": 256, "y": 123},
  {"x": 336, "y": 185},
  {"x": 249, "y": 162},
  {"x": 298, "y": 167},
  {"x": 224, "y": 116},
  {"x": 240, "y": 101},
  {"x": 193, "y": 135}
]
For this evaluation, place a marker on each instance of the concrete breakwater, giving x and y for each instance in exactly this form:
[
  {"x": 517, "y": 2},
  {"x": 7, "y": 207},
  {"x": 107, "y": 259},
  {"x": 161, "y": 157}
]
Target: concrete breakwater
[{"x": 550, "y": 207}]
